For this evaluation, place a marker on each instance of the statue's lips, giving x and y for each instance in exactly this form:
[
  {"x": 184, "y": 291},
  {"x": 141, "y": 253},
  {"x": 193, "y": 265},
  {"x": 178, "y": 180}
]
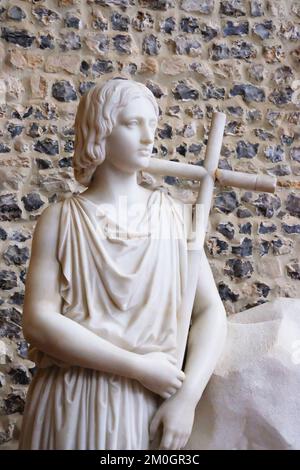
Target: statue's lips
[{"x": 144, "y": 152}]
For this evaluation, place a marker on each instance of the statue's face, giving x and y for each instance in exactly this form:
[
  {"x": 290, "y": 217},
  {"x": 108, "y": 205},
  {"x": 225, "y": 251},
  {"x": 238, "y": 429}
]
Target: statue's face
[{"x": 130, "y": 144}]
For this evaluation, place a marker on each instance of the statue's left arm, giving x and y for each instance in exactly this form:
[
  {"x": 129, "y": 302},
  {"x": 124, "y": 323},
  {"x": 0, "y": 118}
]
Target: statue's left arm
[
  {"x": 206, "y": 336},
  {"x": 206, "y": 341}
]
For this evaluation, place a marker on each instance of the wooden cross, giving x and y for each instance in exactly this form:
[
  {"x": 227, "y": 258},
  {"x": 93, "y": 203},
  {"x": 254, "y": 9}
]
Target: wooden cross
[{"x": 208, "y": 175}]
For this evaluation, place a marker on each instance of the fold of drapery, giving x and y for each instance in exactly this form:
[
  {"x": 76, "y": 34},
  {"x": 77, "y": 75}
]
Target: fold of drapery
[{"x": 84, "y": 409}]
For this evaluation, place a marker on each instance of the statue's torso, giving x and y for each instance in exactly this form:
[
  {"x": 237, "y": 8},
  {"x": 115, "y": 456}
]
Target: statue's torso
[{"x": 126, "y": 290}]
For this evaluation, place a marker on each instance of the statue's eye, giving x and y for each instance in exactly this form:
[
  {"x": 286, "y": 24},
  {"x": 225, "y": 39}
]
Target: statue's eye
[{"x": 134, "y": 122}]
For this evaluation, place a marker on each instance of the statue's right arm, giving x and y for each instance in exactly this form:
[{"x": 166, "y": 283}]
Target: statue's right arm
[{"x": 43, "y": 324}]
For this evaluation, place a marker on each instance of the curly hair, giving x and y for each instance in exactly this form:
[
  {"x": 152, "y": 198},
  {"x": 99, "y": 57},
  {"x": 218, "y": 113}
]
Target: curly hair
[{"x": 95, "y": 118}]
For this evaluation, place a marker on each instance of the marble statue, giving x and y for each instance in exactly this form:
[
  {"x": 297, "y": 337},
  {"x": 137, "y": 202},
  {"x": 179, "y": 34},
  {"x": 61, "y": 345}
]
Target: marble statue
[{"x": 103, "y": 295}]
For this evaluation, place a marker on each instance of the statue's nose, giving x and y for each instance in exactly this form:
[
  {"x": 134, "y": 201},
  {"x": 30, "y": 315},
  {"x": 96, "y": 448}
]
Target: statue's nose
[{"x": 147, "y": 134}]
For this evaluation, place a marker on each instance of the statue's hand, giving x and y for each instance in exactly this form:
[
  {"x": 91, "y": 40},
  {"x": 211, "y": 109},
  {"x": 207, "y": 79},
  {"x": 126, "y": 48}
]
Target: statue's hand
[
  {"x": 159, "y": 373},
  {"x": 177, "y": 418}
]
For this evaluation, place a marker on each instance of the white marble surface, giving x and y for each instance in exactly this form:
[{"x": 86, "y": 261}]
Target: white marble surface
[{"x": 252, "y": 400}]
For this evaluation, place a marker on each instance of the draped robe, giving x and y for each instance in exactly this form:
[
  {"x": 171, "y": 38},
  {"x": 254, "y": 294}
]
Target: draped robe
[{"x": 127, "y": 290}]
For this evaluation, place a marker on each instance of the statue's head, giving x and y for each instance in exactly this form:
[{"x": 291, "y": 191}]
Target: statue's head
[{"x": 97, "y": 115}]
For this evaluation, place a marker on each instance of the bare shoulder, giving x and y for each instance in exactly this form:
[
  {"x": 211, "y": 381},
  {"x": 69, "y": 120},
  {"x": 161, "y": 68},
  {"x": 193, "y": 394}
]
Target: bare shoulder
[
  {"x": 46, "y": 229},
  {"x": 51, "y": 213}
]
